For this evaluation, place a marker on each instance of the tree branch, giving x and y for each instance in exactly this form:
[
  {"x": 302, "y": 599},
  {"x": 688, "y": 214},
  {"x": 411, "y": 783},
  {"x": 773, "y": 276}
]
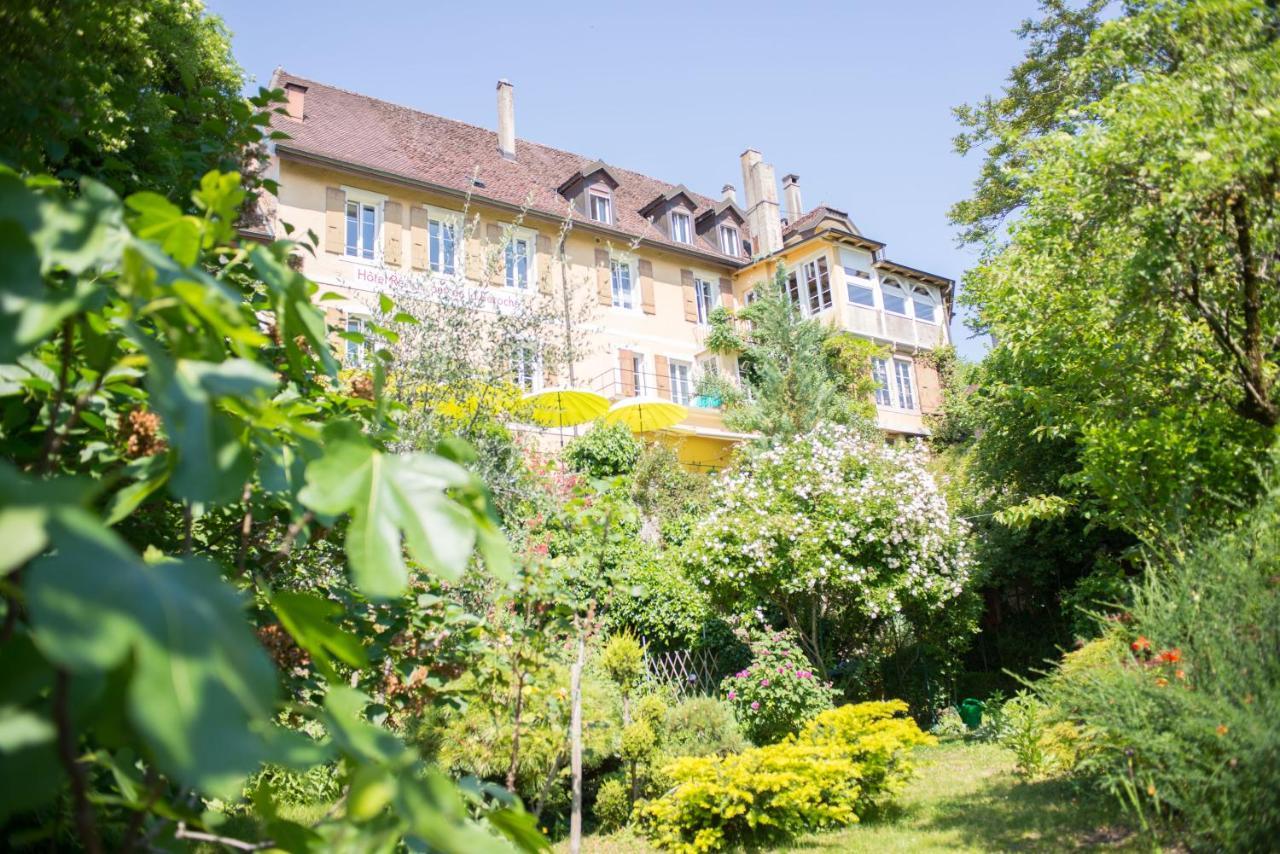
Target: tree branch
[{"x": 82, "y": 810}]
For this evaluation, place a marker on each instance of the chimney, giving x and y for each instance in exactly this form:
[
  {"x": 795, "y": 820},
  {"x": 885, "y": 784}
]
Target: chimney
[
  {"x": 506, "y": 119},
  {"x": 791, "y": 195},
  {"x": 763, "y": 216},
  {"x": 728, "y": 194},
  {"x": 296, "y": 94}
]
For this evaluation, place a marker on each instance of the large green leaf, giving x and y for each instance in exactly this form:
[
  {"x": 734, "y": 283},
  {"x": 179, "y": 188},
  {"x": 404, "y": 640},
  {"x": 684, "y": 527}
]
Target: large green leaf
[
  {"x": 307, "y": 619},
  {"x": 387, "y": 496},
  {"x": 202, "y": 690}
]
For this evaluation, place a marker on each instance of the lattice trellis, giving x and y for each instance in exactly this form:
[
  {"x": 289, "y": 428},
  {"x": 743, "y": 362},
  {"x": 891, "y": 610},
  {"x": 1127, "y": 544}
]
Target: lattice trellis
[{"x": 687, "y": 672}]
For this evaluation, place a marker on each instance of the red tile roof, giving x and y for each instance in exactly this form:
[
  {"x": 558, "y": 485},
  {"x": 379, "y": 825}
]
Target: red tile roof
[{"x": 365, "y": 132}]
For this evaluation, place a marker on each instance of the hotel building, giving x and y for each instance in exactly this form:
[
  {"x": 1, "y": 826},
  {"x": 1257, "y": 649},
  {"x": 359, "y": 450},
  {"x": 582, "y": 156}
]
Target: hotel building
[{"x": 383, "y": 188}]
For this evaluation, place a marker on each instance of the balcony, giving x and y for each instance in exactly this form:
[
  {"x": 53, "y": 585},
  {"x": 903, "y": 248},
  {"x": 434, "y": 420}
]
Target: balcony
[{"x": 676, "y": 386}]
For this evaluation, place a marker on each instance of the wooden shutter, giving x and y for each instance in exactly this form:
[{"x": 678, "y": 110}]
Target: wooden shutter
[
  {"x": 726, "y": 293},
  {"x": 493, "y": 234},
  {"x": 392, "y": 233},
  {"x": 662, "y": 368},
  {"x": 646, "y": 287},
  {"x": 544, "y": 264},
  {"x": 335, "y": 212},
  {"x": 690, "y": 296},
  {"x": 627, "y": 372},
  {"x": 604, "y": 285},
  {"x": 418, "y": 238}
]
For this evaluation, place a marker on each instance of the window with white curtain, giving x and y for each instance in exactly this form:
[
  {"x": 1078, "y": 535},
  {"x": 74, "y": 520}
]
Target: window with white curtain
[
  {"x": 623, "y": 292},
  {"x": 880, "y": 373},
  {"x": 362, "y": 230}
]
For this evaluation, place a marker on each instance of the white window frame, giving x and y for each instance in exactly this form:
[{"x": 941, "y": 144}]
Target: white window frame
[
  {"x": 526, "y": 367},
  {"x": 887, "y": 285},
  {"x": 920, "y": 294},
  {"x": 617, "y": 293},
  {"x": 639, "y": 373},
  {"x": 357, "y": 355},
  {"x": 682, "y": 389},
  {"x": 880, "y": 375},
  {"x": 730, "y": 240},
  {"x": 712, "y": 301},
  {"x": 443, "y": 217},
  {"x": 606, "y": 197},
  {"x": 905, "y": 384},
  {"x": 355, "y": 195},
  {"x": 854, "y": 282},
  {"x": 530, "y": 239},
  {"x": 686, "y": 218},
  {"x": 809, "y": 287}
]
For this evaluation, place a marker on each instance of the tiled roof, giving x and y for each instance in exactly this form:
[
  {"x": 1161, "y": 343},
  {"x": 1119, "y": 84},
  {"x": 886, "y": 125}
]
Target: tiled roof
[
  {"x": 812, "y": 218},
  {"x": 366, "y": 132}
]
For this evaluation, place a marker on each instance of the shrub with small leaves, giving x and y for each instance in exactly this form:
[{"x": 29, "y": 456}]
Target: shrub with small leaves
[
  {"x": 774, "y": 695},
  {"x": 606, "y": 450},
  {"x": 701, "y": 726},
  {"x": 844, "y": 764},
  {"x": 613, "y": 805}
]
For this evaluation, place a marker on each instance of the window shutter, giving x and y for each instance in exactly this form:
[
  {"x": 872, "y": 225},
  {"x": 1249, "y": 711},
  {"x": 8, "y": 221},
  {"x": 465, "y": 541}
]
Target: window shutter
[
  {"x": 646, "y": 286},
  {"x": 726, "y": 293},
  {"x": 498, "y": 252},
  {"x": 662, "y": 369},
  {"x": 603, "y": 283},
  {"x": 690, "y": 299},
  {"x": 418, "y": 238},
  {"x": 393, "y": 233},
  {"x": 627, "y": 372},
  {"x": 335, "y": 211},
  {"x": 543, "y": 264}
]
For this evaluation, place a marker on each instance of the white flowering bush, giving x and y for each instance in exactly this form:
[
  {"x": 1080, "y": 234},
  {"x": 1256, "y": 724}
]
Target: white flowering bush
[{"x": 839, "y": 532}]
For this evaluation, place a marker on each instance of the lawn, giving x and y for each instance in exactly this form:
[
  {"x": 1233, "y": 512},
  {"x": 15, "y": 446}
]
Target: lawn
[{"x": 964, "y": 797}]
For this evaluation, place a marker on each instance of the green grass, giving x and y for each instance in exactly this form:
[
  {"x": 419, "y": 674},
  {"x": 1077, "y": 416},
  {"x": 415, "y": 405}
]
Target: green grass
[{"x": 964, "y": 797}]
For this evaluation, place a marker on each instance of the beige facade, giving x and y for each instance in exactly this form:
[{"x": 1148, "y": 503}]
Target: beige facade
[{"x": 646, "y": 288}]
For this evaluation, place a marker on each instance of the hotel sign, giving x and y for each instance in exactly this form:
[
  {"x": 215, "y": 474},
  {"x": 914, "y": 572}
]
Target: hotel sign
[{"x": 433, "y": 287}]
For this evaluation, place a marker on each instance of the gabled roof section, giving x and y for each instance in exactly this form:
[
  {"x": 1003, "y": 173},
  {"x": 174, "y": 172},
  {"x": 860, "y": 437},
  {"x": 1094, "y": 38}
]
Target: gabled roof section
[
  {"x": 720, "y": 208},
  {"x": 670, "y": 196},
  {"x": 595, "y": 167},
  {"x": 363, "y": 135}
]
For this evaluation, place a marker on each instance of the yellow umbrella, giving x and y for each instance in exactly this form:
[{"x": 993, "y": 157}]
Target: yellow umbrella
[
  {"x": 565, "y": 407},
  {"x": 643, "y": 414}
]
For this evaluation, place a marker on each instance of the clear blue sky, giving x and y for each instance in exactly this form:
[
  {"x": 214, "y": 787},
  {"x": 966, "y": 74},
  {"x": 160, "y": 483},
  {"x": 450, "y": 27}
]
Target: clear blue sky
[{"x": 855, "y": 97}]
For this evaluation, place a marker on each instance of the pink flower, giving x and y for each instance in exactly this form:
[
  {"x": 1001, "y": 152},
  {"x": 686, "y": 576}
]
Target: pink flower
[
  {"x": 755, "y": 705},
  {"x": 733, "y": 695},
  {"x": 764, "y": 682}
]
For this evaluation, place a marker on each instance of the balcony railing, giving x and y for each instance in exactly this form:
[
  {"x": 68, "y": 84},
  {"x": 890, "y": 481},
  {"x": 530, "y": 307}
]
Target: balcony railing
[{"x": 618, "y": 384}]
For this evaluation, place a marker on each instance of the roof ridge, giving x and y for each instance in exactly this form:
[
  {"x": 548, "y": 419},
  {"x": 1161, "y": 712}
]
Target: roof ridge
[{"x": 280, "y": 70}]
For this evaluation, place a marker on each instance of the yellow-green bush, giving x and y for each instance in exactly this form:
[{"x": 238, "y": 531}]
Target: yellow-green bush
[{"x": 844, "y": 763}]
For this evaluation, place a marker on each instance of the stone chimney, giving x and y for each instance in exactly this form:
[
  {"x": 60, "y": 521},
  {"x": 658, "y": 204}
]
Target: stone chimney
[
  {"x": 791, "y": 195},
  {"x": 506, "y": 119},
  {"x": 296, "y": 94},
  {"x": 763, "y": 217},
  {"x": 728, "y": 194}
]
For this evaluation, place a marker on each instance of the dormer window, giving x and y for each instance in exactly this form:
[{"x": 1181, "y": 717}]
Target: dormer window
[
  {"x": 730, "y": 244},
  {"x": 601, "y": 206},
  {"x": 681, "y": 227}
]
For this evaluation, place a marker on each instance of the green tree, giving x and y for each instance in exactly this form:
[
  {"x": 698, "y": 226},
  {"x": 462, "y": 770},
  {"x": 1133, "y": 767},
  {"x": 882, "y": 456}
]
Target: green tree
[
  {"x": 139, "y": 96},
  {"x": 795, "y": 374}
]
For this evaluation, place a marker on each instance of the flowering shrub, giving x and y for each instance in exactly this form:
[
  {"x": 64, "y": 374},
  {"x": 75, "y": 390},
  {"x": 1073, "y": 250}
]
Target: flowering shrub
[
  {"x": 777, "y": 692},
  {"x": 840, "y": 766},
  {"x": 832, "y": 527}
]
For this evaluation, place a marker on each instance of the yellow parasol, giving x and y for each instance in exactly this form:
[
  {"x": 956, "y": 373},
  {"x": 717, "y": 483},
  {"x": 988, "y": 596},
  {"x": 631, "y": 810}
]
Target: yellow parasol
[
  {"x": 565, "y": 407},
  {"x": 643, "y": 414}
]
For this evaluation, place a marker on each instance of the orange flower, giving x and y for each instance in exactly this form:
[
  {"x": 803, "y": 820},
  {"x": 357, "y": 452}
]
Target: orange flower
[
  {"x": 1223, "y": 729},
  {"x": 1140, "y": 645},
  {"x": 1171, "y": 656},
  {"x": 1161, "y": 681},
  {"x": 1181, "y": 674}
]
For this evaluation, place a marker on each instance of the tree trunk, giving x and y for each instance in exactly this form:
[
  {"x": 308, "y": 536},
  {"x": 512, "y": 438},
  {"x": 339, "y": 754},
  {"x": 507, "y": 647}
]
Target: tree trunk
[{"x": 575, "y": 750}]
